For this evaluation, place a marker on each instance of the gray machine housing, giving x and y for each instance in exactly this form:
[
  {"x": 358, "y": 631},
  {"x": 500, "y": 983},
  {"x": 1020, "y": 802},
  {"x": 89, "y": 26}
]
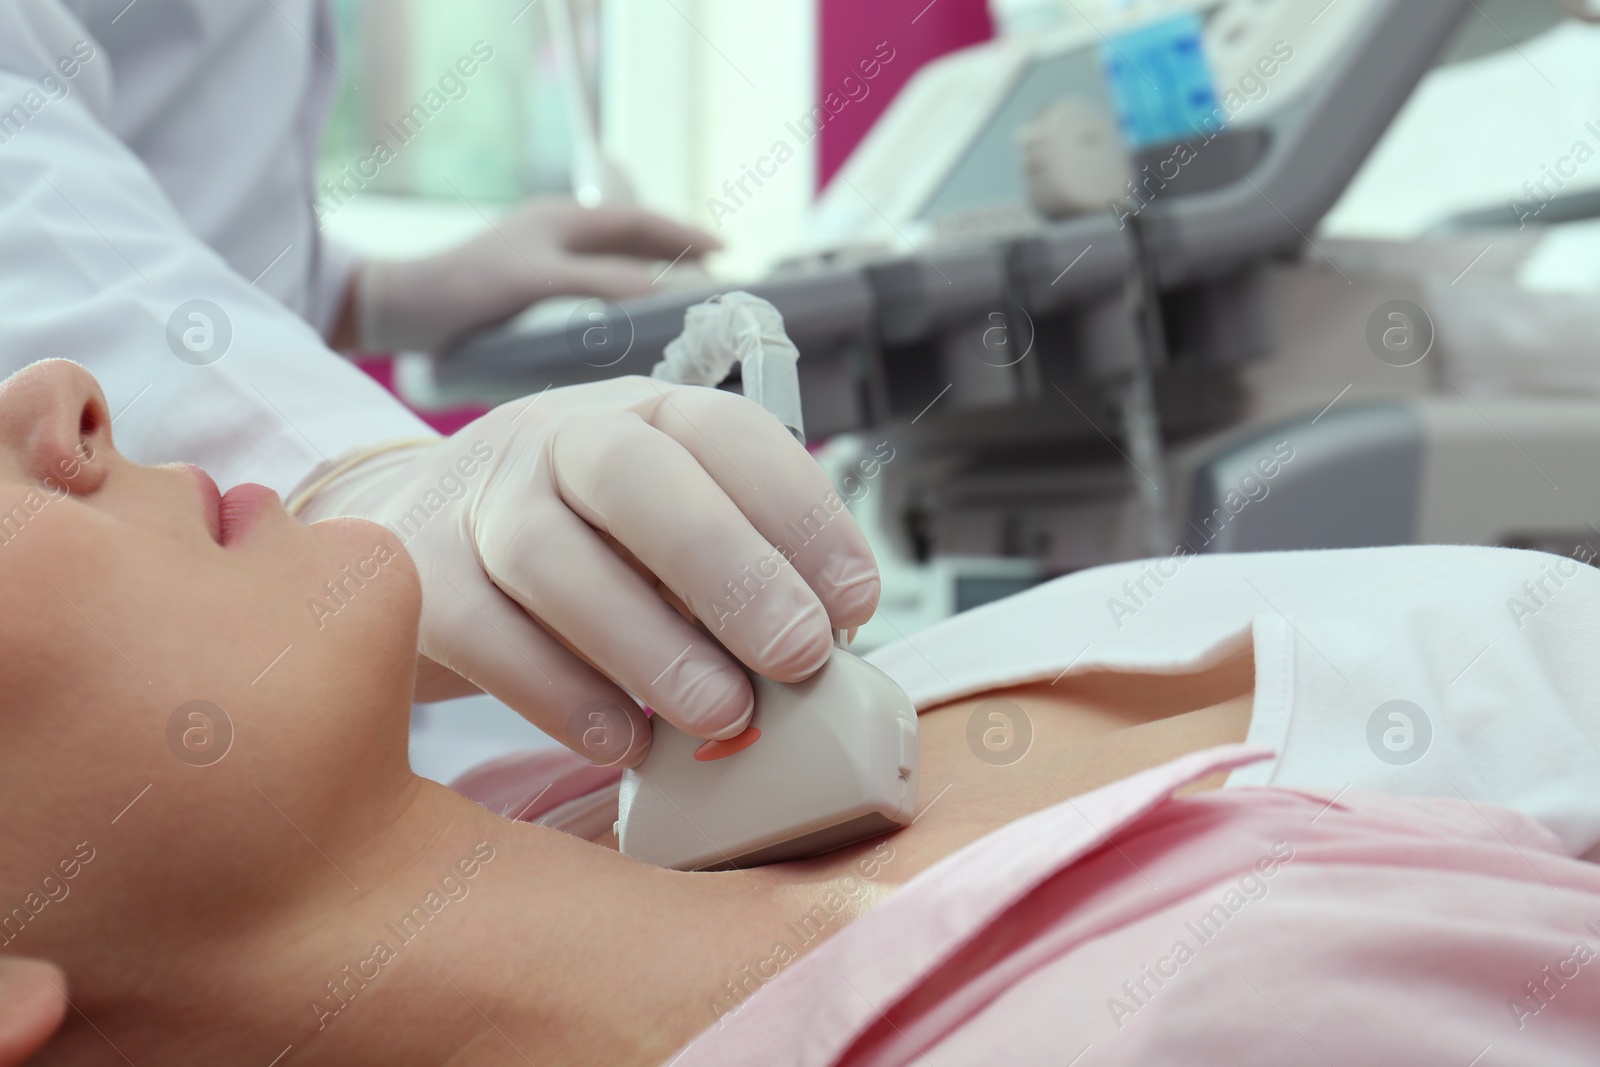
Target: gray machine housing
[{"x": 1128, "y": 332}]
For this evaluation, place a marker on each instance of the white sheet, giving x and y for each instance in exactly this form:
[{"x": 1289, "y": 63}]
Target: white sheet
[{"x": 1496, "y": 653}]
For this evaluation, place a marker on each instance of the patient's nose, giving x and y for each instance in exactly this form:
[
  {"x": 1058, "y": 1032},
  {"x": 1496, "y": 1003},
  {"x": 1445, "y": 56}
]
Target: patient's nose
[{"x": 54, "y": 422}]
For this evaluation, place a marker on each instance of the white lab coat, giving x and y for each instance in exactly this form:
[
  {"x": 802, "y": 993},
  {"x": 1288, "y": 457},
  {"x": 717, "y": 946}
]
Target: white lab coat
[{"x": 162, "y": 151}]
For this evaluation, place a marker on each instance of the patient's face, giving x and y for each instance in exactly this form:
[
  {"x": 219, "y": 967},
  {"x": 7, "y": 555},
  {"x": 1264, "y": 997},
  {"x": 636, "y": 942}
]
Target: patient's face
[{"x": 123, "y": 599}]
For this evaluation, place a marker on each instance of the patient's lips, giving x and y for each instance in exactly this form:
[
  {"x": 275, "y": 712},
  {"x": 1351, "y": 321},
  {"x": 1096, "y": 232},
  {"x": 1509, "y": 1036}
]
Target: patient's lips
[{"x": 241, "y": 507}]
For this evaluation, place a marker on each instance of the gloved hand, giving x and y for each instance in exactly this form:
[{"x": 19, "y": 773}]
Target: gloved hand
[
  {"x": 33, "y": 1001},
  {"x": 555, "y": 534},
  {"x": 545, "y": 248}
]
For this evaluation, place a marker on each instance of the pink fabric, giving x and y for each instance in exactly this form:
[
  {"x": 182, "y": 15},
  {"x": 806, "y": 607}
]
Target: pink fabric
[
  {"x": 380, "y": 368},
  {"x": 1357, "y": 928},
  {"x": 851, "y": 30},
  {"x": 1396, "y": 931}
]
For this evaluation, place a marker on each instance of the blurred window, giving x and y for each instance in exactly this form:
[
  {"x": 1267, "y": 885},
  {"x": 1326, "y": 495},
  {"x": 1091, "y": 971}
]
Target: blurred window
[{"x": 448, "y": 99}]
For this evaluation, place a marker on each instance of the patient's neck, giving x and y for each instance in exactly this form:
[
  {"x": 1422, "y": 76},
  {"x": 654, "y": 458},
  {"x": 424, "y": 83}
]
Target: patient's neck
[{"x": 489, "y": 934}]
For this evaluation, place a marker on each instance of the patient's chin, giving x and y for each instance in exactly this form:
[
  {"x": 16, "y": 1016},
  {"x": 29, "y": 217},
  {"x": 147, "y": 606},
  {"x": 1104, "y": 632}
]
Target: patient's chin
[
  {"x": 366, "y": 576},
  {"x": 355, "y": 607}
]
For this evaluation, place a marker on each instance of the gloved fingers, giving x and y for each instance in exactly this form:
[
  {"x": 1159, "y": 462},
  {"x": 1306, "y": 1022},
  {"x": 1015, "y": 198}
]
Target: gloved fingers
[
  {"x": 780, "y": 489},
  {"x": 606, "y": 277},
  {"x": 475, "y": 630},
  {"x": 626, "y": 230},
  {"x": 623, "y": 476},
  {"x": 595, "y": 600},
  {"x": 663, "y": 591},
  {"x": 438, "y": 682},
  {"x": 33, "y": 1001}
]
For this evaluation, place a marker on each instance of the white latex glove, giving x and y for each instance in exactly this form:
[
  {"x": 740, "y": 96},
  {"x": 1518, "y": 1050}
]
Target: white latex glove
[
  {"x": 545, "y": 248},
  {"x": 553, "y": 533},
  {"x": 33, "y": 1001}
]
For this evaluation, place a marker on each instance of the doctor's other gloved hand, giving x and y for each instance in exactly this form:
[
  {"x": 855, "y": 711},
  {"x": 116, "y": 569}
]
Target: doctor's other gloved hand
[
  {"x": 559, "y": 537},
  {"x": 545, "y": 248}
]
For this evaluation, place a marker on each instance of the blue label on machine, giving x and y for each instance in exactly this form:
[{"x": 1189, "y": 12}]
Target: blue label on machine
[{"x": 1160, "y": 82}]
